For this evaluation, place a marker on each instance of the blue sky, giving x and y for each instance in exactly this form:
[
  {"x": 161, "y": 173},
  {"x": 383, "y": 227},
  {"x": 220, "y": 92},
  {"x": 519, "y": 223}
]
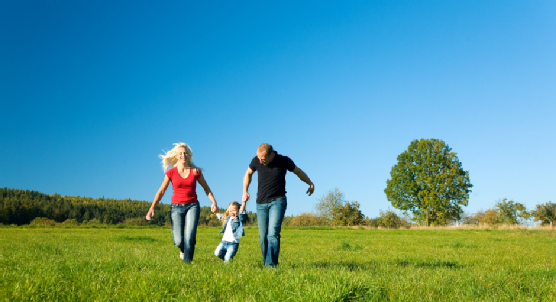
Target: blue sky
[{"x": 91, "y": 92}]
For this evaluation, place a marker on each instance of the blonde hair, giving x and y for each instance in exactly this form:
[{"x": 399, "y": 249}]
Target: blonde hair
[
  {"x": 169, "y": 158},
  {"x": 235, "y": 204}
]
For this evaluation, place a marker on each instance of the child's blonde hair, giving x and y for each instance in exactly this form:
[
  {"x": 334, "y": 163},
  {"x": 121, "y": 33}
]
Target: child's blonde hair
[
  {"x": 235, "y": 204},
  {"x": 169, "y": 158}
]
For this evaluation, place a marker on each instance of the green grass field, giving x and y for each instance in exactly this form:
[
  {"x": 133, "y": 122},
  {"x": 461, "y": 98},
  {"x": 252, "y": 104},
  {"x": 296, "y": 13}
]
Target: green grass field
[{"x": 79, "y": 264}]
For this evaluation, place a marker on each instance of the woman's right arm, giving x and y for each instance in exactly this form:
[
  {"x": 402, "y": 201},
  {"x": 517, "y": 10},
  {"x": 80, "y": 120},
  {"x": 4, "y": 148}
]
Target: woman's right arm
[{"x": 158, "y": 197}]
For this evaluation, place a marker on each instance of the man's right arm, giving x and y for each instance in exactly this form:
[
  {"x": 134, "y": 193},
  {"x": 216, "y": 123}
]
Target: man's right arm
[{"x": 246, "y": 182}]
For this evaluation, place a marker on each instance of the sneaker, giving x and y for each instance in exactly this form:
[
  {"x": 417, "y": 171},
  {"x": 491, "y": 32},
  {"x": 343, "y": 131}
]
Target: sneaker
[{"x": 181, "y": 255}]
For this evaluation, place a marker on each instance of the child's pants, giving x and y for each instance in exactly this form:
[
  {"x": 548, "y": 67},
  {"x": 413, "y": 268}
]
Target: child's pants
[{"x": 226, "y": 250}]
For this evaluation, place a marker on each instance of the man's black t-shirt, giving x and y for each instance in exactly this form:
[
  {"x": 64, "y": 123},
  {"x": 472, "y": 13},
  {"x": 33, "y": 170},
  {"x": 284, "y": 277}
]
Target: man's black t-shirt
[{"x": 272, "y": 178}]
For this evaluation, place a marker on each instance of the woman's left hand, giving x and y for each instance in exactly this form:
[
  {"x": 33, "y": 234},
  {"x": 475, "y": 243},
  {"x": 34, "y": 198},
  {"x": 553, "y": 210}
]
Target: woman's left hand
[{"x": 214, "y": 208}]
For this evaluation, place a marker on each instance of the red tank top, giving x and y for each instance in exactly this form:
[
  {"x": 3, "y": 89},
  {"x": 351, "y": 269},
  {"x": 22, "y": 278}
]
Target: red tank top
[{"x": 184, "y": 188}]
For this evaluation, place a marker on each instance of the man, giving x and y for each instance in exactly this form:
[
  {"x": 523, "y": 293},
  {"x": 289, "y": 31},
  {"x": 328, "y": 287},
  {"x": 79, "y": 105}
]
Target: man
[{"x": 271, "y": 197}]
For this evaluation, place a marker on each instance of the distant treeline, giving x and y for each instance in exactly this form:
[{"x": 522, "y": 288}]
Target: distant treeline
[{"x": 23, "y": 206}]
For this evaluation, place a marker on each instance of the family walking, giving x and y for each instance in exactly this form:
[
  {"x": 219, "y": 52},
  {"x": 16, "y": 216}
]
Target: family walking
[{"x": 271, "y": 202}]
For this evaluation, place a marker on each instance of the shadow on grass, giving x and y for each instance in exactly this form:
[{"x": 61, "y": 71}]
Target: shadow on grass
[
  {"x": 347, "y": 247},
  {"x": 142, "y": 239},
  {"x": 49, "y": 249},
  {"x": 347, "y": 265},
  {"x": 459, "y": 245},
  {"x": 360, "y": 292},
  {"x": 429, "y": 264},
  {"x": 374, "y": 265}
]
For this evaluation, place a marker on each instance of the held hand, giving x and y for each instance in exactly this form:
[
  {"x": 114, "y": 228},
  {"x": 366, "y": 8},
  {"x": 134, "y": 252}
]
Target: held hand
[
  {"x": 214, "y": 209},
  {"x": 245, "y": 197},
  {"x": 150, "y": 214},
  {"x": 311, "y": 189}
]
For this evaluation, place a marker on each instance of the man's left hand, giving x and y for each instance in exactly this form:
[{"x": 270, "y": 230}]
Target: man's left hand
[{"x": 311, "y": 189}]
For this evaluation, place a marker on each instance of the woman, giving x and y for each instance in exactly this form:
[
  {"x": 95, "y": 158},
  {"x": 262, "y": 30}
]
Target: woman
[{"x": 185, "y": 206}]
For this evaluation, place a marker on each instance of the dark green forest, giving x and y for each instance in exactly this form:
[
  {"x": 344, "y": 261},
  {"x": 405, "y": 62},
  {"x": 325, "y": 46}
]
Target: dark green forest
[{"x": 23, "y": 206}]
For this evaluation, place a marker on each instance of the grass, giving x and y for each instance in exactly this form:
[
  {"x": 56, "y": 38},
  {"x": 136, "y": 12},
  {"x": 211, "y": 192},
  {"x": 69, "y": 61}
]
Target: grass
[{"x": 141, "y": 264}]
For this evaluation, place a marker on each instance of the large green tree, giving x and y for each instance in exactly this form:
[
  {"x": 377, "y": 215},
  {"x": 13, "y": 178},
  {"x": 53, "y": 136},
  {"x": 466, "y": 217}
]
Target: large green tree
[{"x": 429, "y": 182}]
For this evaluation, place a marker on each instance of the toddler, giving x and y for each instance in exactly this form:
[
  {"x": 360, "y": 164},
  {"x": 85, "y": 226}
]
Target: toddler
[{"x": 232, "y": 222}]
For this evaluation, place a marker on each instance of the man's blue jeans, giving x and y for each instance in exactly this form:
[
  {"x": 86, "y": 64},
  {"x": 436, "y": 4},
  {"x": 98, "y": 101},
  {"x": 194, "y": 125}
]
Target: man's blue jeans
[
  {"x": 226, "y": 250},
  {"x": 184, "y": 228},
  {"x": 269, "y": 217}
]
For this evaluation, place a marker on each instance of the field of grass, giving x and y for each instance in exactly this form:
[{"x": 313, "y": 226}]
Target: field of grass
[{"x": 79, "y": 264}]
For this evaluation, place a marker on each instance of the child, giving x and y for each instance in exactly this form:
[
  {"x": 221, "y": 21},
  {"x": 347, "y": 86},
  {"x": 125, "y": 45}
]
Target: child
[{"x": 233, "y": 230}]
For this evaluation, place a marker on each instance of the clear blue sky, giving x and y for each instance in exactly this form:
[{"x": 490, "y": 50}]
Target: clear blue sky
[{"x": 92, "y": 91}]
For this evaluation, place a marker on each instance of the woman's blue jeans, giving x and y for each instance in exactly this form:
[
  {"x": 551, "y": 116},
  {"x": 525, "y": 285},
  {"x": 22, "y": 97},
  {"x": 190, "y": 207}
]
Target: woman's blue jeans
[
  {"x": 269, "y": 217},
  {"x": 185, "y": 218}
]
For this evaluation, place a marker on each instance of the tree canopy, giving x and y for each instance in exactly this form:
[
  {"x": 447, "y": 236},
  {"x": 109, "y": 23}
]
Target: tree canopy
[
  {"x": 348, "y": 214},
  {"x": 21, "y": 207},
  {"x": 545, "y": 213},
  {"x": 429, "y": 182},
  {"x": 329, "y": 202},
  {"x": 510, "y": 211}
]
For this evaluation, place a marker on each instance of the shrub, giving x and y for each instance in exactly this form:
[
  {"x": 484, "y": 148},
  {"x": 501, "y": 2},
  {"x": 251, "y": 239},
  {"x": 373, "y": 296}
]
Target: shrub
[
  {"x": 347, "y": 214},
  {"x": 42, "y": 221},
  {"x": 389, "y": 220},
  {"x": 308, "y": 219},
  {"x": 94, "y": 221},
  {"x": 371, "y": 222},
  {"x": 490, "y": 217},
  {"x": 138, "y": 221},
  {"x": 70, "y": 222},
  {"x": 213, "y": 223},
  {"x": 469, "y": 219},
  {"x": 545, "y": 213},
  {"x": 287, "y": 220}
]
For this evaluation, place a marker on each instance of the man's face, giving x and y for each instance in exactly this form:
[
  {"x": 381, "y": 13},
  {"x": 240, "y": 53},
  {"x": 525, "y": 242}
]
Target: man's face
[{"x": 265, "y": 157}]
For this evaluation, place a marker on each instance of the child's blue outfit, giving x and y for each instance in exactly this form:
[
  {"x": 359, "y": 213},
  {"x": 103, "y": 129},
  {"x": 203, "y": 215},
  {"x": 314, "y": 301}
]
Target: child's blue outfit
[{"x": 233, "y": 230}]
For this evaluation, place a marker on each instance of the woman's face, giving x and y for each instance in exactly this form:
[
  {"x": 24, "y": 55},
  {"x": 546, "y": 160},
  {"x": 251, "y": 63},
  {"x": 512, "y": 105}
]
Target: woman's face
[{"x": 182, "y": 155}]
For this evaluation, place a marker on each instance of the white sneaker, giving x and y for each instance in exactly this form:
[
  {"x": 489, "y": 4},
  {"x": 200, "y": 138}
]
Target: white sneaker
[{"x": 181, "y": 255}]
